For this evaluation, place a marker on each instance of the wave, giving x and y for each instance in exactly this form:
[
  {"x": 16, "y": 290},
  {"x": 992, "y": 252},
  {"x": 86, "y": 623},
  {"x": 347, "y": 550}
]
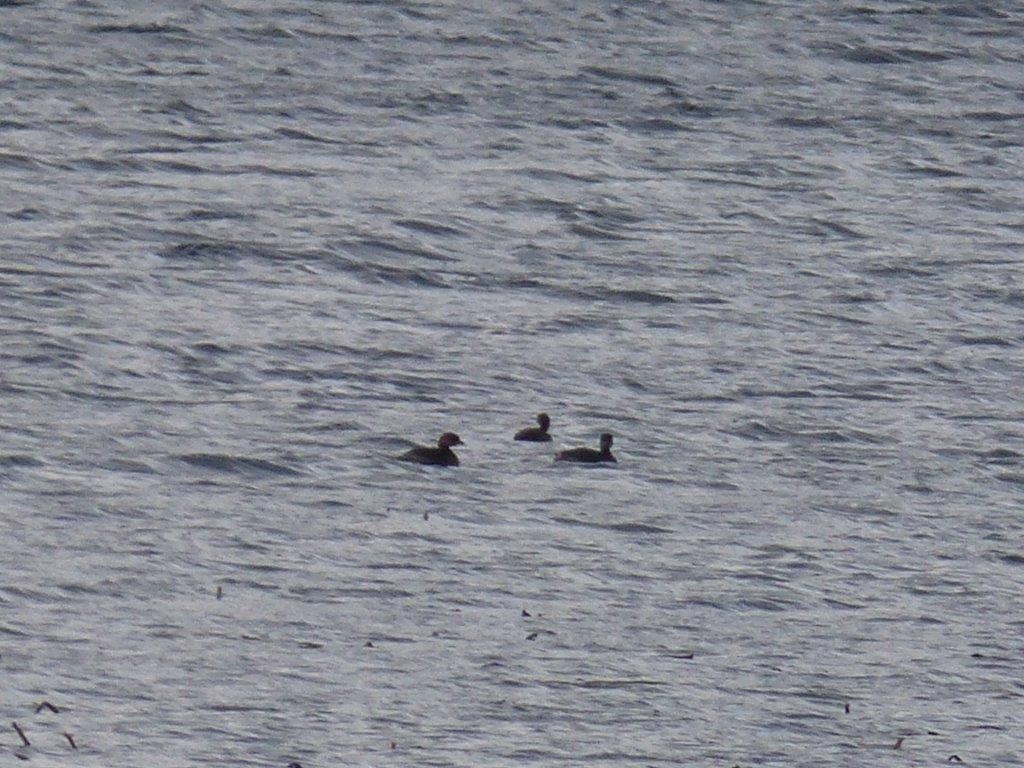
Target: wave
[
  {"x": 19, "y": 460},
  {"x": 152, "y": 28},
  {"x": 593, "y": 293},
  {"x": 616, "y": 527},
  {"x": 241, "y": 465}
]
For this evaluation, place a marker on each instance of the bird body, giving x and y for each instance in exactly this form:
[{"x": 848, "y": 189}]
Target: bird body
[
  {"x": 589, "y": 455},
  {"x": 536, "y": 434},
  {"x": 442, "y": 455}
]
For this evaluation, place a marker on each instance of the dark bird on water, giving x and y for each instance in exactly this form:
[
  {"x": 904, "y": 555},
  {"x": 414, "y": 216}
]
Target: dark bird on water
[
  {"x": 536, "y": 434},
  {"x": 589, "y": 455},
  {"x": 442, "y": 455}
]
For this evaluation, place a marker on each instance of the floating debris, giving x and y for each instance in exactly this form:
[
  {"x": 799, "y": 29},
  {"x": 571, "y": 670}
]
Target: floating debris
[
  {"x": 46, "y": 705},
  {"x": 71, "y": 740},
  {"x": 685, "y": 655},
  {"x": 24, "y": 739},
  {"x": 899, "y": 743}
]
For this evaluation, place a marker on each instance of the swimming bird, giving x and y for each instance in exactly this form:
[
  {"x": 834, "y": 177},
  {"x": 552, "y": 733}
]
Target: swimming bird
[
  {"x": 442, "y": 455},
  {"x": 589, "y": 455},
  {"x": 536, "y": 434}
]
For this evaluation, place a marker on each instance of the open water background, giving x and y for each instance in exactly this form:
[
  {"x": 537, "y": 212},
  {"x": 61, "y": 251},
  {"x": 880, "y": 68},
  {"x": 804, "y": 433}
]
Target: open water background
[{"x": 250, "y": 251}]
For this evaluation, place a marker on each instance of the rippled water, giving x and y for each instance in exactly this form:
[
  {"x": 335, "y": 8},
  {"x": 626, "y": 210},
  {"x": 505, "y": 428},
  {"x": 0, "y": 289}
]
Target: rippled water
[{"x": 250, "y": 254}]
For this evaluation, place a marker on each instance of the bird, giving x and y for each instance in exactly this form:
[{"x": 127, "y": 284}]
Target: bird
[
  {"x": 442, "y": 455},
  {"x": 536, "y": 434},
  {"x": 589, "y": 455}
]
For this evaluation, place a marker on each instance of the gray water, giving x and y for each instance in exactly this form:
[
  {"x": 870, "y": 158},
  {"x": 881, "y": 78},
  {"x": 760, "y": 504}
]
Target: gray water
[{"x": 253, "y": 251}]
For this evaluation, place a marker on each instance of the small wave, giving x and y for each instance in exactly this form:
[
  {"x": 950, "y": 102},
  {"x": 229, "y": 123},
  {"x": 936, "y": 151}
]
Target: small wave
[
  {"x": 429, "y": 227},
  {"x": 934, "y": 171},
  {"x": 595, "y": 293},
  {"x": 274, "y": 170},
  {"x": 202, "y": 251},
  {"x": 169, "y": 141},
  {"x": 153, "y": 28},
  {"x": 984, "y": 341},
  {"x": 25, "y": 214},
  {"x": 380, "y": 273},
  {"x": 655, "y": 125},
  {"x": 861, "y": 297},
  {"x": 1000, "y": 456},
  {"x": 618, "y": 527},
  {"x": 837, "y": 317},
  {"x": 130, "y": 466},
  {"x": 555, "y": 174},
  {"x": 607, "y": 73},
  {"x": 380, "y": 593},
  {"x": 770, "y": 604},
  {"x": 754, "y": 392},
  {"x": 680, "y": 106},
  {"x": 438, "y": 103},
  {"x": 268, "y": 31},
  {"x": 598, "y": 233},
  {"x": 866, "y": 509},
  {"x": 674, "y": 653},
  {"x": 868, "y": 54},
  {"x": 222, "y": 250},
  {"x": 863, "y": 54},
  {"x": 108, "y": 165},
  {"x": 210, "y": 348},
  {"x": 18, "y": 161},
  {"x": 618, "y": 683},
  {"x": 232, "y": 708},
  {"x": 923, "y": 55},
  {"x": 993, "y": 116},
  {"x": 845, "y": 435},
  {"x": 825, "y": 436},
  {"x": 835, "y": 228},
  {"x": 184, "y": 108},
  {"x": 759, "y": 430},
  {"x": 384, "y": 248},
  {"x": 19, "y": 460},
  {"x": 612, "y": 214},
  {"x": 294, "y": 133},
  {"x": 798, "y": 121},
  {"x": 1013, "y": 478},
  {"x": 242, "y": 465},
  {"x": 898, "y": 270},
  {"x": 636, "y": 528},
  {"x": 575, "y": 123},
  {"x": 11, "y": 631},
  {"x": 207, "y": 214}
]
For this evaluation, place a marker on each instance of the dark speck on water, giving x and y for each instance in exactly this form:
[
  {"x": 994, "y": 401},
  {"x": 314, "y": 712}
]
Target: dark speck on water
[{"x": 253, "y": 252}]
